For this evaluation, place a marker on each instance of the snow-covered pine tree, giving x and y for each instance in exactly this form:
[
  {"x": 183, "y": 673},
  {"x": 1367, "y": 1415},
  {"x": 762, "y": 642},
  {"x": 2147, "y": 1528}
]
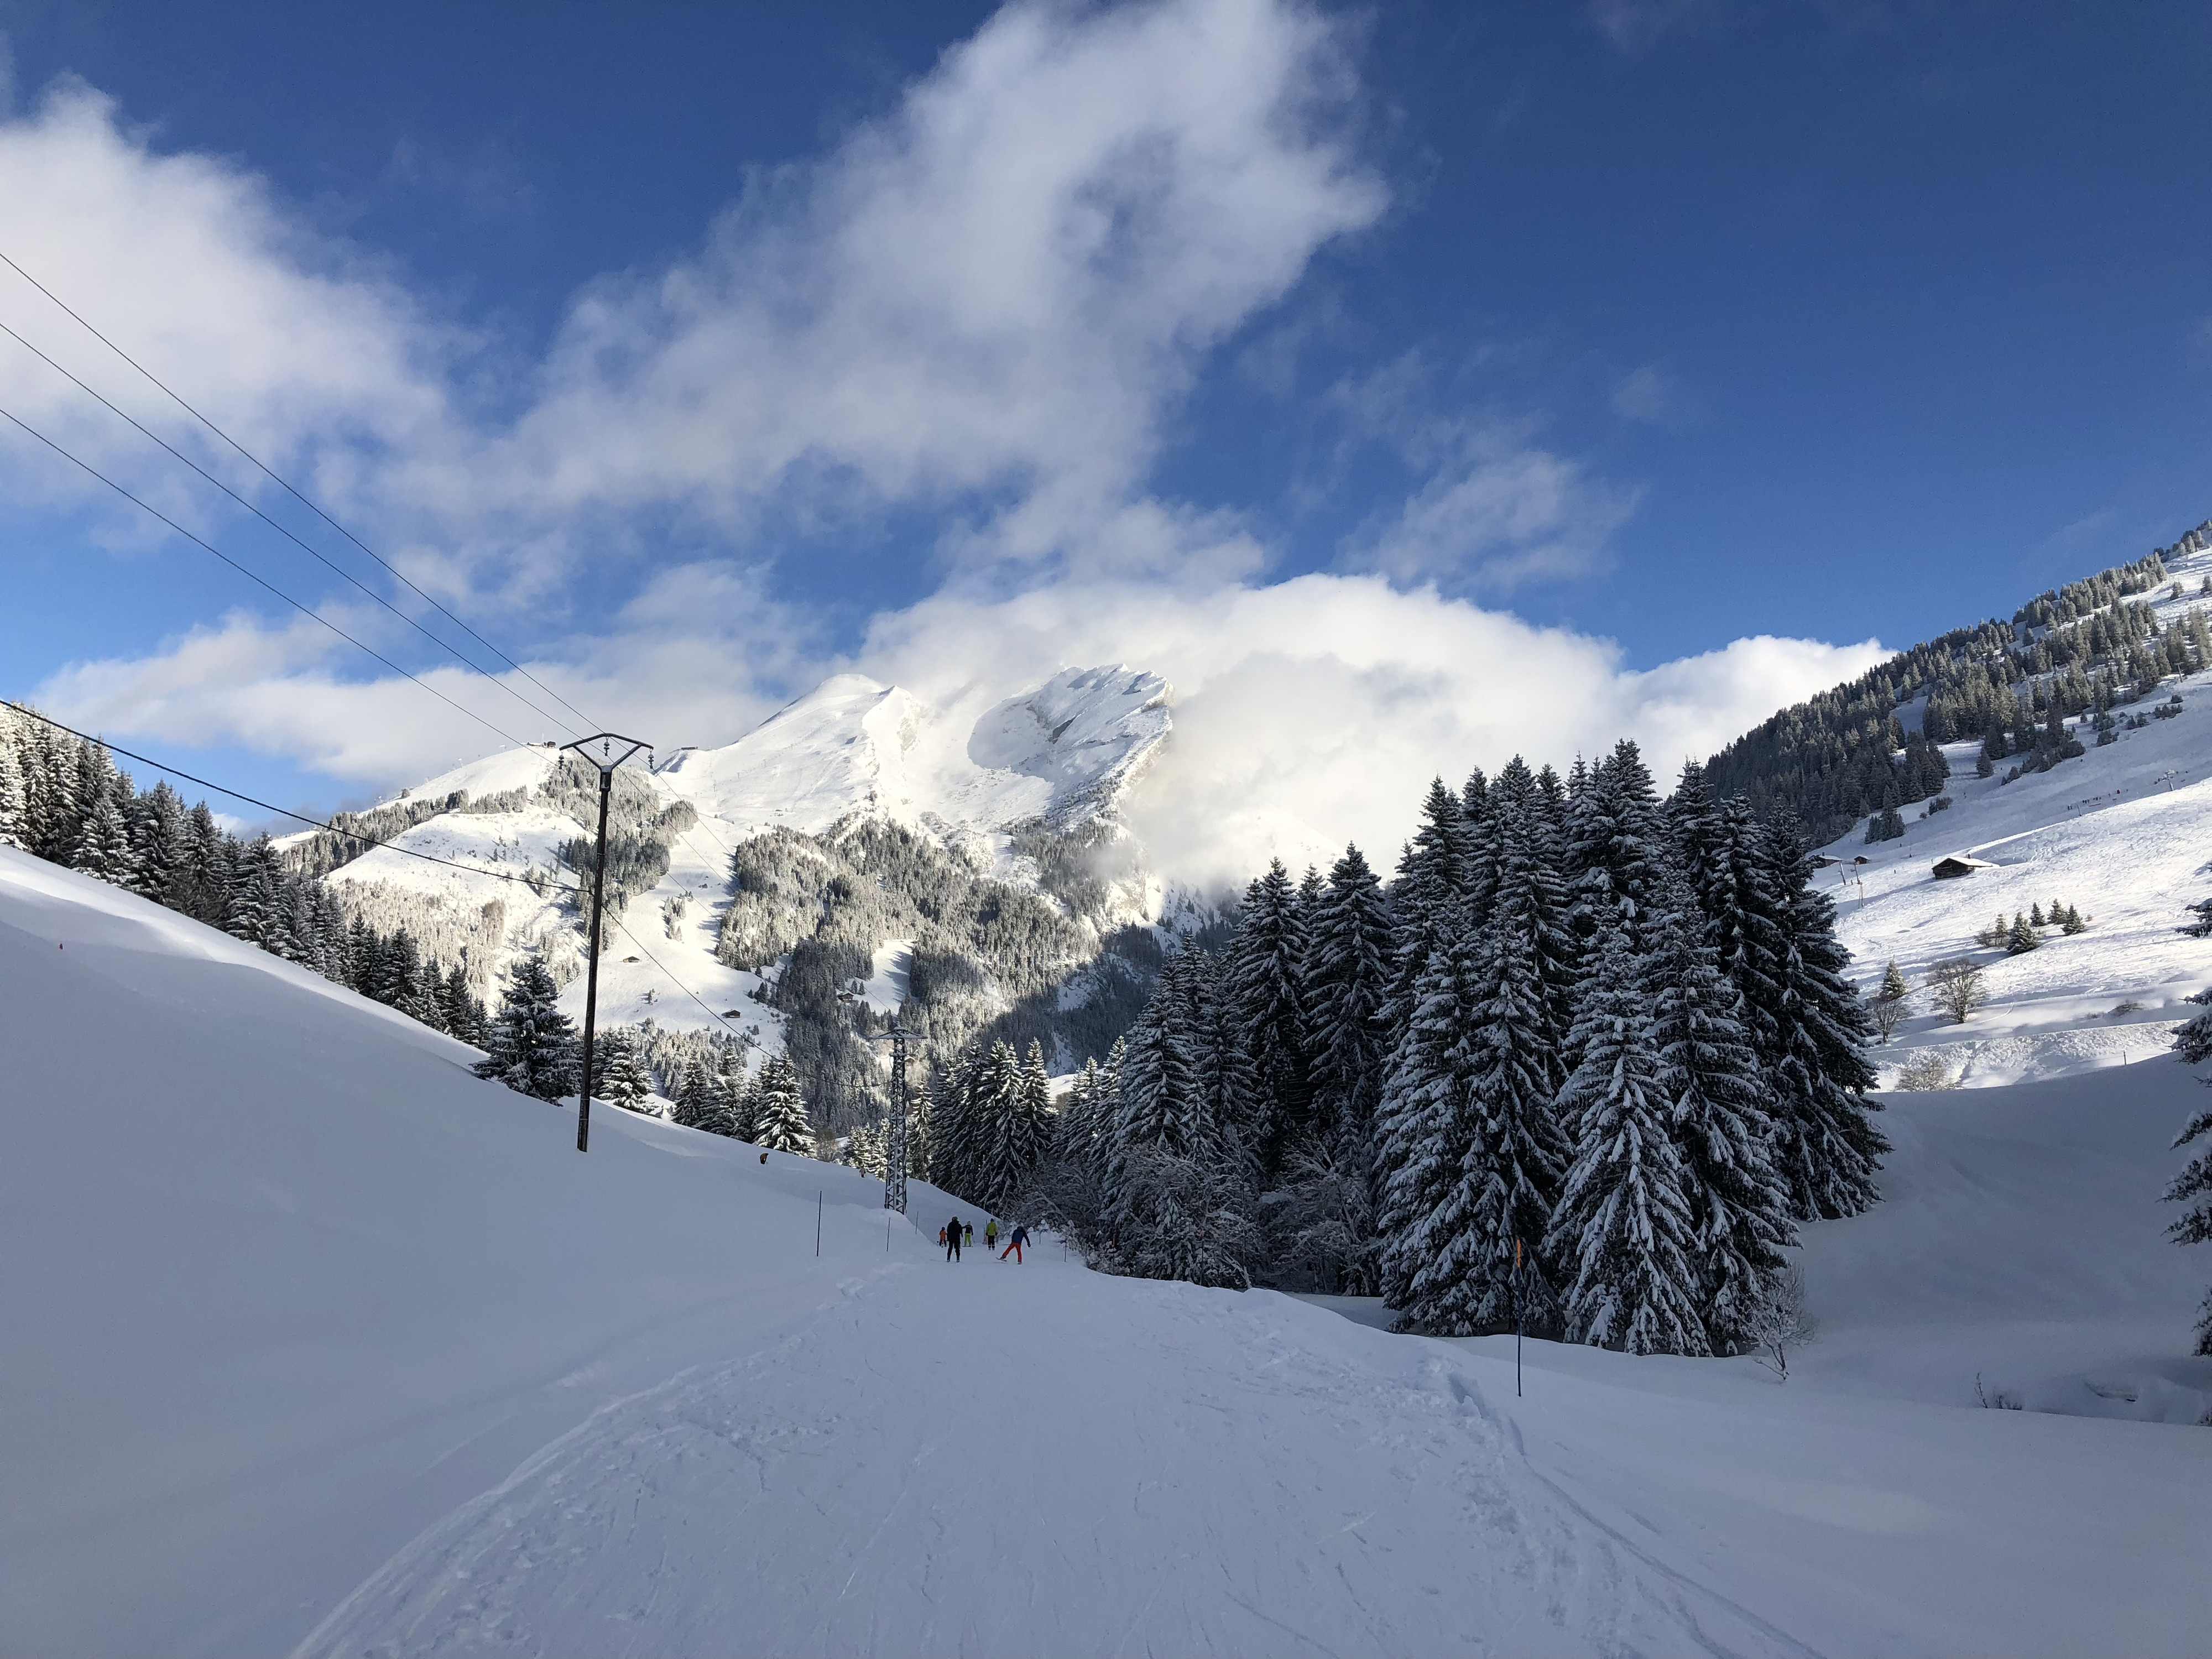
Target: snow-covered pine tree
[
  {"x": 1826, "y": 1148},
  {"x": 1531, "y": 901},
  {"x": 1347, "y": 984},
  {"x": 1265, "y": 983},
  {"x": 954, "y": 1139},
  {"x": 1229, "y": 1113},
  {"x": 1513, "y": 1154},
  {"x": 1623, "y": 1230},
  {"x": 533, "y": 1045},
  {"x": 103, "y": 847},
  {"x": 1716, "y": 1107},
  {"x": 1696, "y": 829},
  {"x": 1163, "y": 1091},
  {"x": 780, "y": 1119},
  {"x": 620, "y": 1076},
  {"x": 734, "y": 1112},
  {"x": 11, "y": 791},
  {"x": 462, "y": 1015},
  {"x": 1014, "y": 1102},
  {"x": 1480, "y": 872},
  {"x": 1423, "y": 1127},
  {"x": 1428, "y": 902},
  {"x": 1743, "y": 924},
  {"x": 1615, "y": 843},
  {"x": 2193, "y": 1185}
]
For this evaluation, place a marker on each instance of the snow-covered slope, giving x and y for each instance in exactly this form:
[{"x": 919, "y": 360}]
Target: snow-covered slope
[
  {"x": 310, "y": 1340},
  {"x": 1060, "y": 756},
  {"x": 2120, "y": 834}
]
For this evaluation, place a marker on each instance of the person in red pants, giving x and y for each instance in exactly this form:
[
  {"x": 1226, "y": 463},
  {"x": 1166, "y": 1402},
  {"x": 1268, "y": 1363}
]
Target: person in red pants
[{"x": 1019, "y": 1237}]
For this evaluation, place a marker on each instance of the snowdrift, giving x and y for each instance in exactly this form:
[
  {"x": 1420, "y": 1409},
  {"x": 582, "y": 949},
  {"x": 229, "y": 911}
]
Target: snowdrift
[{"x": 312, "y": 1342}]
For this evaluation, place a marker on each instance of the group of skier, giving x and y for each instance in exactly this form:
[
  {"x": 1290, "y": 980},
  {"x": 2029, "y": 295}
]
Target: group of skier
[{"x": 957, "y": 1233}]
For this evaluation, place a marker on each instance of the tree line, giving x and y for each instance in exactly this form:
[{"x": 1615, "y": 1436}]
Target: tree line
[
  {"x": 1586, "y": 1062},
  {"x": 63, "y": 799}
]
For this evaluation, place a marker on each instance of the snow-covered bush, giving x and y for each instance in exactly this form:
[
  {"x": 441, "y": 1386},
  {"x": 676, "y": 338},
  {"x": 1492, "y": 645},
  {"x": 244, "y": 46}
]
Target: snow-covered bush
[{"x": 1924, "y": 1072}]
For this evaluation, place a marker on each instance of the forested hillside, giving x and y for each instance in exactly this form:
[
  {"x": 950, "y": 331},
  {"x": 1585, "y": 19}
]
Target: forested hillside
[
  {"x": 2094, "y": 645},
  {"x": 1587, "y": 1063}
]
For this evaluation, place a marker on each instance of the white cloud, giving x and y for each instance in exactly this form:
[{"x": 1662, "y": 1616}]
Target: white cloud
[
  {"x": 1654, "y": 397},
  {"x": 1314, "y": 711},
  {"x": 1500, "y": 513},
  {"x": 305, "y": 351},
  {"x": 982, "y": 307}
]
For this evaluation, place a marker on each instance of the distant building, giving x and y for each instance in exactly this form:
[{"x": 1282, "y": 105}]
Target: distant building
[{"x": 1959, "y": 865}]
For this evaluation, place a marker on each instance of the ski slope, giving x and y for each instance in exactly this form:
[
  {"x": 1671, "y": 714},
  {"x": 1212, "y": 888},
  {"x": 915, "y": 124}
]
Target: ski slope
[{"x": 313, "y": 1342}]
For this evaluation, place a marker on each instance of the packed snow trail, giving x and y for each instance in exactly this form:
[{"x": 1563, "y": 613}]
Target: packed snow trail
[
  {"x": 1034, "y": 1465},
  {"x": 303, "y": 1323}
]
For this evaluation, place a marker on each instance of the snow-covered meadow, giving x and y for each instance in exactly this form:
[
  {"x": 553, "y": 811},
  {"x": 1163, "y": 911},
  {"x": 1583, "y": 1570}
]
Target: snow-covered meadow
[
  {"x": 314, "y": 1342},
  {"x": 2119, "y": 834}
]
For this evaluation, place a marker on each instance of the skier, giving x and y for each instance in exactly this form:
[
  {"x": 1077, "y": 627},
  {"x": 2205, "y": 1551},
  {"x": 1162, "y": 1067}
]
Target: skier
[
  {"x": 991, "y": 1236},
  {"x": 952, "y": 1240},
  {"x": 1015, "y": 1240},
  {"x": 970, "y": 1231}
]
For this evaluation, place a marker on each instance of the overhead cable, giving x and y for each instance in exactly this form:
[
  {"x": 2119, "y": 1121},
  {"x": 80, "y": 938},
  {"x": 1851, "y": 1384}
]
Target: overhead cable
[
  {"x": 279, "y": 481},
  {"x": 154, "y": 512},
  {"x": 281, "y": 530},
  {"x": 539, "y": 886}
]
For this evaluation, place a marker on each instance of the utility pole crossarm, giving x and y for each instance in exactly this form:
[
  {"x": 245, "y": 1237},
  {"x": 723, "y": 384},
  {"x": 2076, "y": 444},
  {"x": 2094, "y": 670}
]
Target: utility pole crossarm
[{"x": 600, "y": 751}]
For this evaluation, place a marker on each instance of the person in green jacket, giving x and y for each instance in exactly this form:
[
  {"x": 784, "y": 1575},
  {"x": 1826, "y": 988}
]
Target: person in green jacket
[{"x": 991, "y": 1233}]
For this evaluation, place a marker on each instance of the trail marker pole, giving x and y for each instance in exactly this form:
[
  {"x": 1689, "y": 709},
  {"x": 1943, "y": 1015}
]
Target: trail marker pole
[
  {"x": 1520, "y": 1321},
  {"x": 606, "y": 760},
  {"x": 895, "y": 1141},
  {"x": 817, "y": 1223}
]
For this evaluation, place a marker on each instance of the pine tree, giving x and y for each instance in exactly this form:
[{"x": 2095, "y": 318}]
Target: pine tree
[
  {"x": 11, "y": 789},
  {"x": 103, "y": 848},
  {"x": 734, "y": 1112},
  {"x": 2021, "y": 936},
  {"x": 780, "y": 1119},
  {"x": 621, "y": 1076},
  {"x": 1512, "y": 1151},
  {"x": 1265, "y": 985},
  {"x": 1531, "y": 903},
  {"x": 1716, "y": 1109},
  {"x": 1423, "y": 1128},
  {"x": 2193, "y": 1185},
  {"x": 1624, "y": 1228},
  {"x": 533, "y": 1045},
  {"x": 1826, "y": 1147},
  {"x": 1614, "y": 843},
  {"x": 1428, "y": 900},
  {"x": 1346, "y": 988},
  {"x": 1162, "y": 1088}
]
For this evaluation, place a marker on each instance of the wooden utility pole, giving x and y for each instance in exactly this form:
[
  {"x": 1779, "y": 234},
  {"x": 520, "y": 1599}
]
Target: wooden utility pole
[{"x": 606, "y": 760}]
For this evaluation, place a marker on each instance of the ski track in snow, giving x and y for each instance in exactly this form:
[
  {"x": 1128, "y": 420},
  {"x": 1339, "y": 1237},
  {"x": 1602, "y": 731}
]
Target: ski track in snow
[{"x": 822, "y": 1468}]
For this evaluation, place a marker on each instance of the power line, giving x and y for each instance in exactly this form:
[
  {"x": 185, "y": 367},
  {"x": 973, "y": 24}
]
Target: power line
[
  {"x": 281, "y": 483},
  {"x": 156, "y": 512},
  {"x": 312, "y": 552},
  {"x": 286, "y": 811},
  {"x": 622, "y": 927}
]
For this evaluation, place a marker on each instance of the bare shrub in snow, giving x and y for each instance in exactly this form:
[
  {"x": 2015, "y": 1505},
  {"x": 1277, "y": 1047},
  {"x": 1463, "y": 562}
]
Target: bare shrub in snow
[
  {"x": 1781, "y": 1324},
  {"x": 1924, "y": 1072},
  {"x": 1958, "y": 988}
]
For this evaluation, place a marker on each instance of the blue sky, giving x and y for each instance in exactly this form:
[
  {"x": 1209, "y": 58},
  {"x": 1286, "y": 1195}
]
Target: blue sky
[{"x": 693, "y": 352}]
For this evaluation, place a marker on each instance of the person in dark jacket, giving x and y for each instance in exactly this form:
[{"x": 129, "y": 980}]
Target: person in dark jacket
[
  {"x": 952, "y": 1240},
  {"x": 1019, "y": 1237}
]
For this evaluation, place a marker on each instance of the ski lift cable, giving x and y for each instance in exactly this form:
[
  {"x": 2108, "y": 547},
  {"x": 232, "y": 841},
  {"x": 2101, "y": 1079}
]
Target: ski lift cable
[
  {"x": 283, "y": 531},
  {"x": 280, "y": 482},
  {"x": 261, "y": 581}
]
